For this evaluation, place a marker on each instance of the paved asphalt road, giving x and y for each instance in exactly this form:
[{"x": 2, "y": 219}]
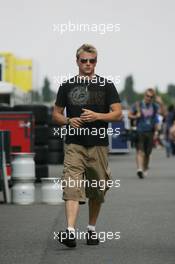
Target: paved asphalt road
[{"x": 143, "y": 211}]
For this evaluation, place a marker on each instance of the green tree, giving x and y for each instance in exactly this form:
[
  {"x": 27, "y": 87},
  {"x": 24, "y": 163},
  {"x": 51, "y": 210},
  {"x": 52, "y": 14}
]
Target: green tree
[
  {"x": 167, "y": 99},
  {"x": 171, "y": 90},
  {"x": 46, "y": 91},
  {"x": 128, "y": 94}
]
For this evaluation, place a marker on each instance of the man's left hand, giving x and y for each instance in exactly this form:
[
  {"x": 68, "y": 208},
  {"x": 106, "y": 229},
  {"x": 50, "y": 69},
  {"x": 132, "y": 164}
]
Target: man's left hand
[{"x": 89, "y": 116}]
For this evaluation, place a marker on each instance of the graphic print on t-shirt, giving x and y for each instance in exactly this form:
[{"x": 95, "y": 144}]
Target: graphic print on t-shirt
[
  {"x": 83, "y": 95},
  {"x": 78, "y": 95},
  {"x": 148, "y": 112},
  {"x": 148, "y": 117}
]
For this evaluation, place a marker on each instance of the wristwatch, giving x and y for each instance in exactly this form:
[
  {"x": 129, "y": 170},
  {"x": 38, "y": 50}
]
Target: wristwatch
[{"x": 68, "y": 120}]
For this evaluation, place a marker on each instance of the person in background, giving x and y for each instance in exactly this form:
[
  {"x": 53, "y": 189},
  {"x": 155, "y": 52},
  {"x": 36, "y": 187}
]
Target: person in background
[
  {"x": 172, "y": 138},
  {"x": 145, "y": 113},
  {"x": 170, "y": 117}
]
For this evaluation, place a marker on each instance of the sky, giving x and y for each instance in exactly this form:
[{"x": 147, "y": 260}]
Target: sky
[{"x": 143, "y": 44}]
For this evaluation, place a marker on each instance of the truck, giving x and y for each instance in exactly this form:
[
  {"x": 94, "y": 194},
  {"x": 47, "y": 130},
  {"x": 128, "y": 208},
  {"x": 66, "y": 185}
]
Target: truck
[{"x": 11, "y": 95}]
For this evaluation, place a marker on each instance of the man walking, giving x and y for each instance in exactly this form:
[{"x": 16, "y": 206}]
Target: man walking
[
  {"x": 146, "y": 115},
  {"x": 91, "y": 102}
]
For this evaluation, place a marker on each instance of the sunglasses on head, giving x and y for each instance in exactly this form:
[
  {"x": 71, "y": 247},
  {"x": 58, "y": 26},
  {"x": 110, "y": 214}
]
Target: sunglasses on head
[{"x": 92, "y": 61}]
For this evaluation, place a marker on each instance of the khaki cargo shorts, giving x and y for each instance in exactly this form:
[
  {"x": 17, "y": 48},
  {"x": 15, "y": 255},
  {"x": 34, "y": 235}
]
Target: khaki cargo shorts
[{"x": 85, "y": 173}]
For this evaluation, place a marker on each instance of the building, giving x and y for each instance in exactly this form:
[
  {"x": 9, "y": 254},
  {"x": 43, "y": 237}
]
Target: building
[{"x": 15, "y": 73}]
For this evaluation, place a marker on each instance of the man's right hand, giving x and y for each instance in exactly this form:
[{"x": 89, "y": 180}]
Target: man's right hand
[
  {"x": 76, "y": 122},
  {"x": 138, "y": 115}
]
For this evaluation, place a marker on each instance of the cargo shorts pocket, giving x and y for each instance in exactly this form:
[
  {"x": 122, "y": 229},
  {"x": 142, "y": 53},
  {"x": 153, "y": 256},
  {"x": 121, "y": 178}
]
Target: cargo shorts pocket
[{"x": 108, "y": 178}]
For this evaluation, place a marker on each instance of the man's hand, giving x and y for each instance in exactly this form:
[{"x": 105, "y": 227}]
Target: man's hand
[
  {"x": 156, "y": 135},
  {"x": 75, "y": 122},
  {"x": 134, "y": 116},
  {"x": 138, "y": 108},
  {"x": 158, "y": 100},
  {"x": 138, "y": 115},
  {"x": 89, "y": 116}
]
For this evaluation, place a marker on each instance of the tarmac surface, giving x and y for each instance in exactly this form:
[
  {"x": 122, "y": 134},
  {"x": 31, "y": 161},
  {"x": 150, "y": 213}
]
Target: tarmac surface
[{"x": 142, "y": 210}]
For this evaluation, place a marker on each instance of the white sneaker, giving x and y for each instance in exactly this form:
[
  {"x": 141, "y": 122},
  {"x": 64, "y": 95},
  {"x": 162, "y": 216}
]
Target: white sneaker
[{"x": 145, "y": 173}]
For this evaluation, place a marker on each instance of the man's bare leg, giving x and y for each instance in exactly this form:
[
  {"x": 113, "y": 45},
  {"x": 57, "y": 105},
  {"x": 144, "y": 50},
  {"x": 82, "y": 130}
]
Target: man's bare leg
[
  {"x": 146, "y": 163},
  {"x": 140, "y": 159},
  {"x": 94, "y": 209},
  {"x": 140, "y": 163},
  {"x": 72, "y": 210},
  {"x": 68, "y": 237}
]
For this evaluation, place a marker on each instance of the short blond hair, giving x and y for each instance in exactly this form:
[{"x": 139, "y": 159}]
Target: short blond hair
[{"x": 86, "y": 48}]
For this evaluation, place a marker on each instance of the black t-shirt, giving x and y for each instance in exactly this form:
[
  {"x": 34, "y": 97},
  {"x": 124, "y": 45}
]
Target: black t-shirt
[{"x": 96, "y": 95}]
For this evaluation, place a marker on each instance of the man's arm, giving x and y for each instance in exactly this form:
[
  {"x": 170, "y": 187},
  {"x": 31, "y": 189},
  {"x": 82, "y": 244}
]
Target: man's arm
[
  {"x": 59, "y": 118},
  {"x": 135, "y": 111},
  {"x": 133, "y": 115},
  {"x": 58, "y": 115},
  {"x": 115, "y": 115},
  {"x": 162, "y": 109}
]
